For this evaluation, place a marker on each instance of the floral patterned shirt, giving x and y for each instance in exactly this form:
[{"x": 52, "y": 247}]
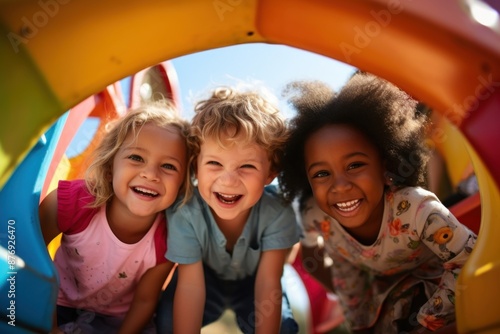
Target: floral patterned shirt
[{"x": 419, "y": 241}]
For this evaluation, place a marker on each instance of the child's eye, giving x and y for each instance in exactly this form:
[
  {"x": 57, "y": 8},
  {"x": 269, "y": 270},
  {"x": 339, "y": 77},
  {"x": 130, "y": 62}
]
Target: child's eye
[
  {"x": 321, "y": 173},
  {"x": 214, "y": 163},
  {"x": 355, "y": 165},
  {"x": 248, "y": 166},
  {"x": 169, "y": 166},
  {"x": 135, "y": 157}
]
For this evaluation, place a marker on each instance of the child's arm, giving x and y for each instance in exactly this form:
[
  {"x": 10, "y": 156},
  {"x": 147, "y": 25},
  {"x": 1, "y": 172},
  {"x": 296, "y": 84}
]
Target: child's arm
[
  {"x": 47, "y": 212},
  {"x": 268, "y": 291},
  {"x": 189, "y": 300},
  {"x": 145, "y": 298},
  {"x": 452, "y": 242}
]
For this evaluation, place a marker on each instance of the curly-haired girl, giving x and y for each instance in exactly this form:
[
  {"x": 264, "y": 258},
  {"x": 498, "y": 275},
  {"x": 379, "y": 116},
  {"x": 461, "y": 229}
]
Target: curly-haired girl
[{"x": 396, "y": 250}]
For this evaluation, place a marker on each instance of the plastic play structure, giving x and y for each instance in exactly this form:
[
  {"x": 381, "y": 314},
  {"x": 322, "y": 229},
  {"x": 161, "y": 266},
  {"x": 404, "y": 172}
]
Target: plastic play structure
[{"x": 56, "y": 55}]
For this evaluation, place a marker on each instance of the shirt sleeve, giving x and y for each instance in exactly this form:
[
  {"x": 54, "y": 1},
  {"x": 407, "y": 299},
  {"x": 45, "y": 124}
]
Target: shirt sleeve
[
  {"x": 283, "y": 230},
  {"x": 183, "y": 245},
  {"x": 160, "y": 240},
  {"x": 452, "y": 242},
  {"x": 73, "y": 213}
]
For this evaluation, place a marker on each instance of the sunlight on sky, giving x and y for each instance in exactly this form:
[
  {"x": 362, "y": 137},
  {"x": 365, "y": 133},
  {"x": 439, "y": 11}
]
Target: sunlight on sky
[{"x": 272, "y": 66}]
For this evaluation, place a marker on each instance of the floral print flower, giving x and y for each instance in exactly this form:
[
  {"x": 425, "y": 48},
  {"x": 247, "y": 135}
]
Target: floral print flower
[
  {"x": 403, "y": 206},
  {"x": 396, "y": 227},
  {"x": 432, "y": 322},
  {"x": 324, "y": 227},
  {"x": 369, "y": 253},
  {"x": 437, "y": 304},
  {"x": 443, "y": 235},
  {"x": 343, "y": 251}
]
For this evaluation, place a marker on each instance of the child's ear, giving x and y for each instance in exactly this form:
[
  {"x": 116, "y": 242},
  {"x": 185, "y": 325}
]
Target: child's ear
[{"x": 272, "y": 175}]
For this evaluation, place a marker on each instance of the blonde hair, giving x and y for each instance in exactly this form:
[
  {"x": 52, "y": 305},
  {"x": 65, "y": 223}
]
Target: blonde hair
[
  {"x": 160, "y": 113},
  {"x": 229, "y": 113}
]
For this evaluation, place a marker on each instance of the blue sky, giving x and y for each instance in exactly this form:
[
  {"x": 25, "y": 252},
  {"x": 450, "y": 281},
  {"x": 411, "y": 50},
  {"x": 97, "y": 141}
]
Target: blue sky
[{"x": 271, "y": 65}]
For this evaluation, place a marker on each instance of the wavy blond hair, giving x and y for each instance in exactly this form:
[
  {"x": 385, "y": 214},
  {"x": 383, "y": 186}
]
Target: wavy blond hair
[
  {"x": 161, "y": 113},
  {"x": 229, "y": 113}
]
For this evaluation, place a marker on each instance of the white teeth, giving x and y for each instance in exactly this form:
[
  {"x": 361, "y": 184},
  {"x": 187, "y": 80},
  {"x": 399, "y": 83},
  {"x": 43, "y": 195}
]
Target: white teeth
[
  {"x": 348, "y": 206},
  {"x": 146, "y": 191},
  {"x": 228, "y": 197}
]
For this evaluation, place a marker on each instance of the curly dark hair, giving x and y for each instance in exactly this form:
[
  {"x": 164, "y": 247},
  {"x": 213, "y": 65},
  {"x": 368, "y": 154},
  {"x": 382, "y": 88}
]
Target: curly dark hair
[{"x": 383, "y": 112}]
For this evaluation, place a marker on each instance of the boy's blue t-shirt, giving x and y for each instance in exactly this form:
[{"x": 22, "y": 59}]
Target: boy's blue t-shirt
[{"x": 193, "y": 235}]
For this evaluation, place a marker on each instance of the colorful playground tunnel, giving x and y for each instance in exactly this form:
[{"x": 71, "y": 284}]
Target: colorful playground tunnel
[{"x": 63, "y": 63}]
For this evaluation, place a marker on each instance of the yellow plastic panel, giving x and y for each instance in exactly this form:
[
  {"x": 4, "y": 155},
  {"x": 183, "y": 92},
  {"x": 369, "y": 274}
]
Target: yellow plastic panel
[{"x": 477, "y": 291}]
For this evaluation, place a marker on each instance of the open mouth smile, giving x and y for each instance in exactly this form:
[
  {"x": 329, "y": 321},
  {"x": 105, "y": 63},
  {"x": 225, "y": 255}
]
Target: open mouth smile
[
  {"x": 348, "y": 206},
  {"x": 228, "y": 199},
  {"x": 145, "y": 192}
]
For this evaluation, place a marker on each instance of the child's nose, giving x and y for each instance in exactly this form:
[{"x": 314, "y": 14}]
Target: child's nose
[
  {"x": 340, "y": 183},
  {"x": 228, "y": 178},
  {"x": 150, "y": 173}
]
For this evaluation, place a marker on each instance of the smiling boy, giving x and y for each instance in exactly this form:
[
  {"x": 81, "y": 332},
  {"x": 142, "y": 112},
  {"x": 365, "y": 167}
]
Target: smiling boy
[{"x": 232, "y": 238}]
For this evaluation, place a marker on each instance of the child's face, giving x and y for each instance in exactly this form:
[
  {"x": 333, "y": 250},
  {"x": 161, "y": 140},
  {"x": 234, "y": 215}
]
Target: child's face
[
  {"x": 148, "y": 172},
  {"x": 231, "y": 180},
  {"x": 347, "y": 176}
]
